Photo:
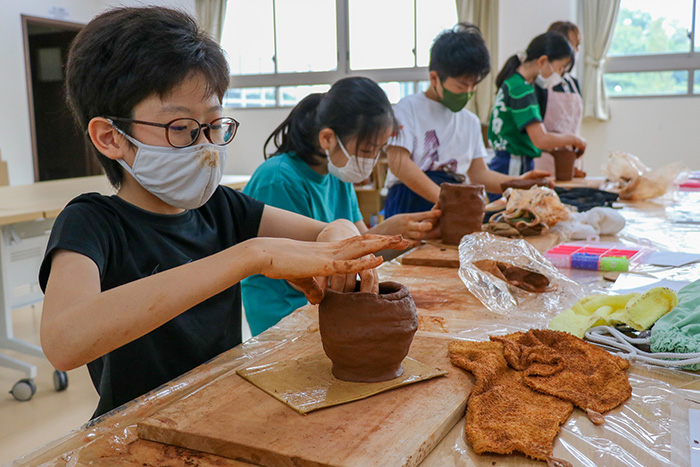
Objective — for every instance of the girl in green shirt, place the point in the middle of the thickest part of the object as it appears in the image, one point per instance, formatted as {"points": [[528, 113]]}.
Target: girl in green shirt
{"points": [[515, 130]]}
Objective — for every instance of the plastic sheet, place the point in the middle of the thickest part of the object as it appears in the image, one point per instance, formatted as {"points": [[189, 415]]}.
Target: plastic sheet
{"points": [[502, 297], [650, 429]]}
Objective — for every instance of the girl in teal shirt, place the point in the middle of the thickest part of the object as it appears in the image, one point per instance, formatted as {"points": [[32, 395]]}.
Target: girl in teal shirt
{"points": [[328, 142]]}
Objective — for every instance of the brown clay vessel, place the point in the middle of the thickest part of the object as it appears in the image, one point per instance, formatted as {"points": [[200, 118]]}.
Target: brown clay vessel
{"points": [[368, 335], [462, 209], [564, 164]]}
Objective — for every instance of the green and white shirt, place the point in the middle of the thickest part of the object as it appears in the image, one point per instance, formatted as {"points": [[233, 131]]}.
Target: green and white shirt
{"points": [[515, 108]]}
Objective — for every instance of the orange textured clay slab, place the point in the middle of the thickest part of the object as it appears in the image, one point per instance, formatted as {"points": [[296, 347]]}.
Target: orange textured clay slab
{"points": [[233, 418]]}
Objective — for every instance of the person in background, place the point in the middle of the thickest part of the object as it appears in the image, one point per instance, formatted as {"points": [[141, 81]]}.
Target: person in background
{"points": [[441, 141], [561, 105], [328, 142], [515, 130], [143, 286]]}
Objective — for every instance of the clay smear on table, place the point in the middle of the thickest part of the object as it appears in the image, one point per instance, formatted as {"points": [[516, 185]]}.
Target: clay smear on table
{"points": [[367, 335], [462, 209]]}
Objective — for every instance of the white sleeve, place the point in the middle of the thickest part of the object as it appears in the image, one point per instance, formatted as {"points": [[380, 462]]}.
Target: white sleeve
{"points": [[404, 138], [477, 147]]}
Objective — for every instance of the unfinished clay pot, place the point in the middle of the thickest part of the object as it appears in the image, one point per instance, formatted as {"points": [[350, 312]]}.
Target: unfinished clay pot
{"points": [[564, 164], [462, 209], [368, 335]]}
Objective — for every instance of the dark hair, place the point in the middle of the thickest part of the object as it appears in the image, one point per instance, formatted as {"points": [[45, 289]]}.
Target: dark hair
{"points": [[126, 55], [551, 44], [564, 28], [353, 107], [460, 51]]}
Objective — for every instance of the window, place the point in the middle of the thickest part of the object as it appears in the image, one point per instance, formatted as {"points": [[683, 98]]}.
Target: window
{"points": [[279, 51], [654, 49]]}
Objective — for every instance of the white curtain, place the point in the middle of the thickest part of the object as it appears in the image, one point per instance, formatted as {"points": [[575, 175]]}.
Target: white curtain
{"points": [[598, 22], [211, 14], [484, 15]]}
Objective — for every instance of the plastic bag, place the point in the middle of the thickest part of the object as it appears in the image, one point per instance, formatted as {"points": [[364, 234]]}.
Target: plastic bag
{"points": [[623, 167], [634, 181], [501, 297]]}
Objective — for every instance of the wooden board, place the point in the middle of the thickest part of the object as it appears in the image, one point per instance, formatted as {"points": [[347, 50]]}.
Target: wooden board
{"points": [[235, 419], [437, 254]]}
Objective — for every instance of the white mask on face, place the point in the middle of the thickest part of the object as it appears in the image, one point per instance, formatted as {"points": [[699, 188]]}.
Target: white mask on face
{"points": [[182, 177], [356, 170], [549, 82]]}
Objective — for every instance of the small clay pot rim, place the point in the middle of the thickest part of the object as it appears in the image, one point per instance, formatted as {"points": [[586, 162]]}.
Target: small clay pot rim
{"points": [[398, 292]]}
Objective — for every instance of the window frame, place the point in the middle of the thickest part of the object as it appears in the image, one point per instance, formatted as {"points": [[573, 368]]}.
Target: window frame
{"points": [[277, 80], [682, 61]]}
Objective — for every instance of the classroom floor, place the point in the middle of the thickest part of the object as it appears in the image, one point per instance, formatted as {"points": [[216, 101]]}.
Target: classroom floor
{"points": [[49, 414], [26, 426]]}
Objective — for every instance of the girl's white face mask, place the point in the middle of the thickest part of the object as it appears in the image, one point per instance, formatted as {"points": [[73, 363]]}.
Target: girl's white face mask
{"points": [[356, 170], [550, 81], [181, 177]]}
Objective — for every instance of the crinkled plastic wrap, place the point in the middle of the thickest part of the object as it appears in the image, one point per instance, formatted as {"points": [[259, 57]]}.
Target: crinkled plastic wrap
{"points": [[501, 297], [634, 181]]}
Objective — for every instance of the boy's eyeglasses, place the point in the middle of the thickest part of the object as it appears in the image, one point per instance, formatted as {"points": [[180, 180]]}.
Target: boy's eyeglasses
{"points": [[184, 132]]}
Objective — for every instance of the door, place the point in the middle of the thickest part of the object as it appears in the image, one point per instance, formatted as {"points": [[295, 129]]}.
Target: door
{"points": [[58, 147]]}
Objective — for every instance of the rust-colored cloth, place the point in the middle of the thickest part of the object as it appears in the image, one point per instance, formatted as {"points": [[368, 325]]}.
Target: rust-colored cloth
{"points": [[503, 413], [562, 365]]}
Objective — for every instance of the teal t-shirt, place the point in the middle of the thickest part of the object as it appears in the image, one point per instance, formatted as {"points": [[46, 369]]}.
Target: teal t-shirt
{"points": [[288, 182], [515, 108]]}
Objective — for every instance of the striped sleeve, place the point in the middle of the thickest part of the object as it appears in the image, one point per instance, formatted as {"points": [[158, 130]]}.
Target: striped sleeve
{"points": [[523, 105]]}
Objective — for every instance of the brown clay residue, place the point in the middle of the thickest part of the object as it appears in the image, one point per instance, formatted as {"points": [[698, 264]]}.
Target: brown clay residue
{"points": [[207, 157], [432, 323], [429, 301]]}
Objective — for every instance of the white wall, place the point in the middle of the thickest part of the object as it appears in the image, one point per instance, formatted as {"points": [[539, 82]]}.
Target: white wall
{"points": [[245, 153], [15, 136], [657, 130], [519, 22]]}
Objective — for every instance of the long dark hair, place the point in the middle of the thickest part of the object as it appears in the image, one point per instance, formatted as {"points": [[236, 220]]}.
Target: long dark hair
{"points": [[353, 107], [552, 44]]}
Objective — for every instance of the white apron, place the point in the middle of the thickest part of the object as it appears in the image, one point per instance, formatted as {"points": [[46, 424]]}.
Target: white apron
{"points": [[563, 115]]}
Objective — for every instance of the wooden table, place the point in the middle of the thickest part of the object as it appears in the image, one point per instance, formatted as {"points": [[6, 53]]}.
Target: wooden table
{"points": [[650, 429], [27, 213]]}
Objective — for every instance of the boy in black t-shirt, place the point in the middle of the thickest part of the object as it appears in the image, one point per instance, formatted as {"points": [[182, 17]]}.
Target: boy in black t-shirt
{"points": [[143, 286]]}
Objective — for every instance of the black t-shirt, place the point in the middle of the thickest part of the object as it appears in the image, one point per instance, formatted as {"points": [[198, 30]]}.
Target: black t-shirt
{"points": [[127, 243]]}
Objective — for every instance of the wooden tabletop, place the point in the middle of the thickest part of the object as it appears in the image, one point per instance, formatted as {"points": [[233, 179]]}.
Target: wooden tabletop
{"points": [[20, 203], [649, 429]]}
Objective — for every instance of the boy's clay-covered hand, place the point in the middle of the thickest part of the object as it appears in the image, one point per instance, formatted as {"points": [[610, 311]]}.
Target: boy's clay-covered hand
{"points": [[308, 264], [538, 175], [414, 226]]}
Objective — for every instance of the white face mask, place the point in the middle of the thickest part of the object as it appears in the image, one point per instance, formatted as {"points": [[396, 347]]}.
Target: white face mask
{"points": [[356, 170], [182, 177], [549, 82]]}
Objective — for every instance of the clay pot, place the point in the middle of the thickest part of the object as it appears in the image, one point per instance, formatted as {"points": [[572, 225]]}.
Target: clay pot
{"points": [[462, 209], [564, 164], [368, 335]]}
